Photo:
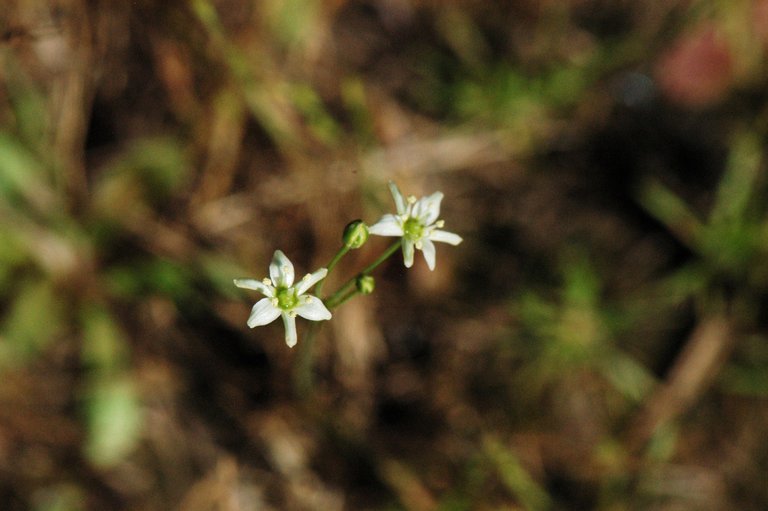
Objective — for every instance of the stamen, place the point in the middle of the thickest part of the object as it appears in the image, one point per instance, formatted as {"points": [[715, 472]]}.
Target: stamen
{"points": [[306, 277], [440, 224], [267, 281], [275, 302], [411, 199], [419, 244], [293, 314], [286, 269]]}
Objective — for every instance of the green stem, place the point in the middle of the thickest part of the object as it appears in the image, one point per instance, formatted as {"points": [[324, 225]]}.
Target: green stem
{"points": [[341, 299], [340, 296], [302, 376], [302, 373], [336, 258]]}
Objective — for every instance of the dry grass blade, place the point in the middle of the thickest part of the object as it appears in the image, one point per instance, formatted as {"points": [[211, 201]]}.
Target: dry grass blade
{"points": [[696, 366]]}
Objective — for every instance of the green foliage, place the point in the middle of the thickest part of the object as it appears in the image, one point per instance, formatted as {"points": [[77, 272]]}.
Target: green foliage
{"points": [[731, 242], [60, 497], [31, 324], [150, 276], [514, 476], [149, 170], [113, 418]]}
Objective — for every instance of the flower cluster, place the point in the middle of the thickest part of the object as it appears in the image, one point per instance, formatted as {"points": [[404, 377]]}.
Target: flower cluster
{"points": [[416, 223]]}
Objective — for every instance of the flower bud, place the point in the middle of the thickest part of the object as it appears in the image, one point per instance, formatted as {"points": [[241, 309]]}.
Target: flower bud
{"points": [[355, 234], [365, 284]]}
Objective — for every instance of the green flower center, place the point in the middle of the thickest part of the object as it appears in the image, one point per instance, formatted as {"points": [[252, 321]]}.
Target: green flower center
{"points": [[413, 229], [286, 298]]}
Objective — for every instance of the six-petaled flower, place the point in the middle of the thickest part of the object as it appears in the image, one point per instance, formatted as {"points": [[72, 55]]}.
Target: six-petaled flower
{"points": [[416, 222], [283, 298]]}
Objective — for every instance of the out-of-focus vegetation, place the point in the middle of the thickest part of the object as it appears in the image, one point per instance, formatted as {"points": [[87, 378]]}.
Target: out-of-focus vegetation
{"points": [[597, 342]]}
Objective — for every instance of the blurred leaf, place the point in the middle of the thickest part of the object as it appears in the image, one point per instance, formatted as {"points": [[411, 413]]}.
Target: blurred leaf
{"points": [[627, 376], [22, 175], [105, 347], [746, 381], [12, 255], [159, 163], [28, 104], [156, 276], [292, 21], [61, 497], [737, 186], [307, 101], [514, 476], [34, 319], [670, 210], [219, 271], [663, 443], [114, 419], [265, 97], [353, 93]]}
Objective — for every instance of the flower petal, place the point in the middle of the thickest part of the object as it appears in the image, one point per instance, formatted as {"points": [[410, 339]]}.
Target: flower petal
{"points": [[427, 209], [428, 249], [310, 280], [445, 237], [408, 253], [400, 203], [281, 270], [290, 329], [312, 308], [263, 313], [255, 285], [389, 225]]}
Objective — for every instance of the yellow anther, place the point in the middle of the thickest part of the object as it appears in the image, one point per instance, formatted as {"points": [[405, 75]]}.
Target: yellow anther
{"points": [[307, 299], [275, 302], [440, 224], [267, 281], [411, 199], [419, 244], [306, 277], [293, 314]]}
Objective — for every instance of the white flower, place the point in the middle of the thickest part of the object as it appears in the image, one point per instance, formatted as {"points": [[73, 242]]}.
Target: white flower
{"points": [[284, 299], [416, 222]]}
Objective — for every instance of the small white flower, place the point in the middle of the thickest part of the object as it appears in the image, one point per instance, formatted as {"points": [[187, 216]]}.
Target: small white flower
{"points": [[416, 222], [284, 299]]}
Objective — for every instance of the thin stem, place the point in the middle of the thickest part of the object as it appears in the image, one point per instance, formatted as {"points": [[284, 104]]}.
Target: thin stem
{"points": [[336, 258], [341, 299], [302, 376], [302, 373], [336, 298]]}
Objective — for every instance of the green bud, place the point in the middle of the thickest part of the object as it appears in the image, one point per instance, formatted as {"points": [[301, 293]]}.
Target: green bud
{"points": [[365, 284], [355, 234]]}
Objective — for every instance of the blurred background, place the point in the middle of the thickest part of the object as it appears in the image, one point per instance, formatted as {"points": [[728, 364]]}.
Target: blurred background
{"points": [[597, 342]]}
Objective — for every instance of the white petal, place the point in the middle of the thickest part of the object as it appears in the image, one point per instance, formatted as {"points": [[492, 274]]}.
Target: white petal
{"points": [[408, 253], [389, 225], [400, 203], [263, 313], [310, 280], [255, 285], [428, 249], [290, 329], [312, 308], [281, 270], [445, 237], [427, 209]]}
